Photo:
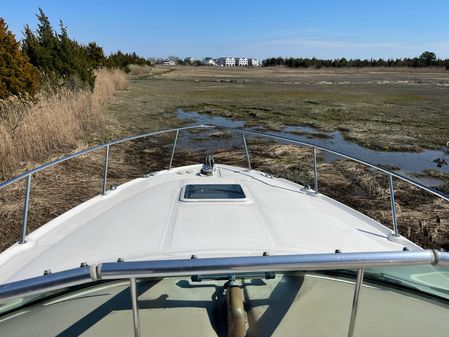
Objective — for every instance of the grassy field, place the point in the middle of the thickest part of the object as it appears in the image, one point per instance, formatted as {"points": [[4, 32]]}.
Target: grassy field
{"points": [[380, 109], [391, 110]]}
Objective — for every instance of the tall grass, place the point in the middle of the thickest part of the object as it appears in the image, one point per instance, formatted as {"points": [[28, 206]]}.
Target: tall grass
{"points": [[136, 70], [32, 131]]}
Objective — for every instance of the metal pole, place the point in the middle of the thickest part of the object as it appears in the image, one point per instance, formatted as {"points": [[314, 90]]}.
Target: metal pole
{"points": [[105, 175], [355, 301], [25, 210], [136, 322], [246, 151], [173, 150], [392, 205], [315, 174]]}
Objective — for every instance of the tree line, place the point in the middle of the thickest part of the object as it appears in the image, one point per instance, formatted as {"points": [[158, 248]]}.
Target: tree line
{"points": [[426, 59], [50, 59]]}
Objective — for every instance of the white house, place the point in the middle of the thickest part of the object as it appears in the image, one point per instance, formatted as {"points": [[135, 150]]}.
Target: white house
{"points": [[254, 62], [241, 61], [209, 61], [230, 62], [226, 61], [233, 61], [169, 63]]}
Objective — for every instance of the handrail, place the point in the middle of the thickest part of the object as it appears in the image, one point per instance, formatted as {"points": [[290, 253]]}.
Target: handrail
{"points": [[91, 149], [47, 282], [245, 131], [314, 147], [260, 264], [219, 266], [341, 154]]}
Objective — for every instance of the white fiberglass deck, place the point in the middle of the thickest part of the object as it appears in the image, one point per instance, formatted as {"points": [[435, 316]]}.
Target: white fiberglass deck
{"points": [[146, 219]]}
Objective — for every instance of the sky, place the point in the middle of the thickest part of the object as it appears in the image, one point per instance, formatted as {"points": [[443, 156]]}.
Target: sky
{"points": [[261, 29]]}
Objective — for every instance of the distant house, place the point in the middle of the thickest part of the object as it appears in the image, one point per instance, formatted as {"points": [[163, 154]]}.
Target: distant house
{"points": [[189, 60], [226, 61], [209, 61], [169, 62], [241, 61], [233, 61], [254, 62], [230, 62]]}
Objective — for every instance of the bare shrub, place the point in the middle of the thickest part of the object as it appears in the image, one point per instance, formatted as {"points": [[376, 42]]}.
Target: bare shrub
{"points": [[137, 70]]}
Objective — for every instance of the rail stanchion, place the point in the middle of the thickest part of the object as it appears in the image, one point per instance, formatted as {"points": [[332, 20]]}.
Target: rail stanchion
{"points": [[26, 206], [315, 174], [135, 307], [392, 205], [246, 151], [355, 301], [173, 150], [105, 174]]}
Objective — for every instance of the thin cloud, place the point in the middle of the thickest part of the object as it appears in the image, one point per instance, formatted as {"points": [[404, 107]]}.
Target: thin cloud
{"points": [[322, 43], [331, 48]]}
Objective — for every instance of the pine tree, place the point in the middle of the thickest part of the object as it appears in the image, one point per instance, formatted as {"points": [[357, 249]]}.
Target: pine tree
{"points": [[428, 58], [30, 45], [63, 60], [72, 61], [47, 43], [17, 75], [40, 48], [96, 55]]}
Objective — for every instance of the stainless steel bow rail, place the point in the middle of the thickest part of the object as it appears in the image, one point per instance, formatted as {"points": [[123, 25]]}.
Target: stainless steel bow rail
{"points": [[220, 266], [27, 175]]}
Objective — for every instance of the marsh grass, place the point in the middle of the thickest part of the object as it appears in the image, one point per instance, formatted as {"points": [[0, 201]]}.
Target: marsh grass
{"points": [[382, 109], [33, 131]]}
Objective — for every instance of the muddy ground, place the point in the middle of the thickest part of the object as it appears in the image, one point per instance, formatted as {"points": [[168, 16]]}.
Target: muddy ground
{"points": [[400, 109]]}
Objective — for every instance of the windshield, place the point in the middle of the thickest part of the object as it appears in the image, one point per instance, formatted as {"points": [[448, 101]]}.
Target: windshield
{"points": [[16, 303], [433, 280], [281, 304]]}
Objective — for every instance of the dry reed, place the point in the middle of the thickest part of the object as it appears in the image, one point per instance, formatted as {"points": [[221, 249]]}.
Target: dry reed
{"points": [[136, 70], [33, 131]]}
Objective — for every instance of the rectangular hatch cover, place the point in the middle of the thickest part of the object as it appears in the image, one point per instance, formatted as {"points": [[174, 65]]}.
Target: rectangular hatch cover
{"points": [[213, 192]]}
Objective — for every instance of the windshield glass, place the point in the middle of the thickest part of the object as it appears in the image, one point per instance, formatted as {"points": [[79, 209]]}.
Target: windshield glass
{"points": [[433, 280], [281, 304], [10, 305]]}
